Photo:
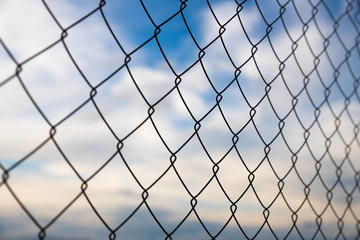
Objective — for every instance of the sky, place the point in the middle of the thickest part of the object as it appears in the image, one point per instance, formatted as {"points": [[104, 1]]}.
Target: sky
{"points": [[233, 104]]}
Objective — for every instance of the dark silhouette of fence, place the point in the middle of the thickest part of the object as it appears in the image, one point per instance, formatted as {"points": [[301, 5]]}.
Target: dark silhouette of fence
{"points": [[264, 90]]}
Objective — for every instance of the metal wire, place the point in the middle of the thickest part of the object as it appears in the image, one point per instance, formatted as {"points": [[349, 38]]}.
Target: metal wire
{"points": [[309, 127]]}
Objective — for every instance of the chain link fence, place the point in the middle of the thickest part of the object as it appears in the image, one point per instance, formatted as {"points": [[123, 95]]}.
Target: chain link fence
{"points": [[180, 119]]}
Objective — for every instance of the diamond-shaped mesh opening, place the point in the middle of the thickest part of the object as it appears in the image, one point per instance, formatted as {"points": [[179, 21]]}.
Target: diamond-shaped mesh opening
{"points": [[60, 187], [104, 58], [79, 140], [56, 89], [25, 121]]}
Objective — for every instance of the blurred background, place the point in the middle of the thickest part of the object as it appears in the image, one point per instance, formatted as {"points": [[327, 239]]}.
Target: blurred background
{"points": [[179, 119]]}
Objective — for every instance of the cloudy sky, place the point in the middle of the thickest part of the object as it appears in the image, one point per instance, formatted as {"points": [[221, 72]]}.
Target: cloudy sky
{"points": [[265, 108]]}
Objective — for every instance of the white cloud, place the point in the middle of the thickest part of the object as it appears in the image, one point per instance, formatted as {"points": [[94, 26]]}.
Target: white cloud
{"points": [[40, 30]]}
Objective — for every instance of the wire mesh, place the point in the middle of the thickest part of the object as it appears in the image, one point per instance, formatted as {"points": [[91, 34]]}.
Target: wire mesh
{"points": [[270, 151]]}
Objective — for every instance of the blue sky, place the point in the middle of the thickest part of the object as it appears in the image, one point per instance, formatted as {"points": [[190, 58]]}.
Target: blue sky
{"points": [[45, 183]]}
